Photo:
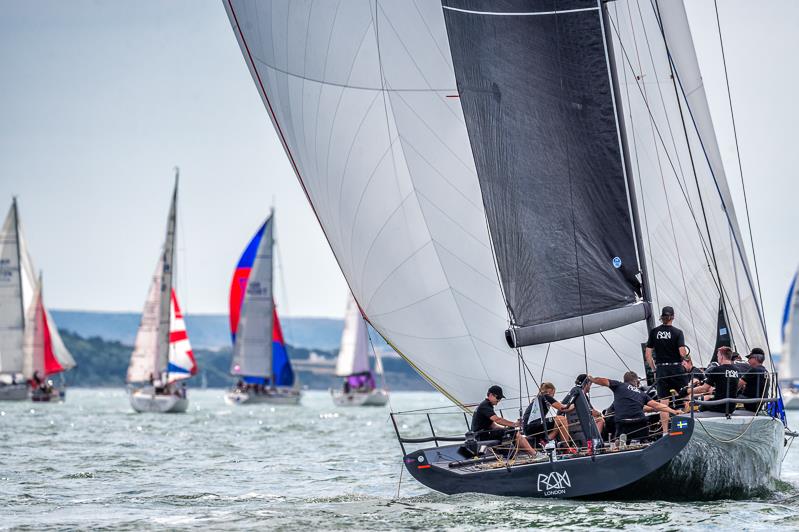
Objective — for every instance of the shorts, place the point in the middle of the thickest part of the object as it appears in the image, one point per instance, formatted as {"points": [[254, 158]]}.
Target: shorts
{"points": [[536, 428], [494, 434], [669, 377], [635, 429]]}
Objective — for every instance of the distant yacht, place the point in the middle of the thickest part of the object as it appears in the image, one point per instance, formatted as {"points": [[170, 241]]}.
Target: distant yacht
{"points": [[162, 355], [31, 349], [359, 387], [260, 359], [789, 358]]}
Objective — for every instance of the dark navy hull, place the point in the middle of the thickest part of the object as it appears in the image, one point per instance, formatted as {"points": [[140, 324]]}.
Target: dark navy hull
{"points": [[565, 478]]}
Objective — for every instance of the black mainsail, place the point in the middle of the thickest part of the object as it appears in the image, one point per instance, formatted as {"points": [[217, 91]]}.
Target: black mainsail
{"points": [[537, 97]]}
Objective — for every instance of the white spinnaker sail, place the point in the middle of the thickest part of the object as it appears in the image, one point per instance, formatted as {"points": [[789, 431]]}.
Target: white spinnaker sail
{"points": [[252, 353], [674, 185], [789, 359], [12, 318], [364, 98], [353, 355], [145, 351]]}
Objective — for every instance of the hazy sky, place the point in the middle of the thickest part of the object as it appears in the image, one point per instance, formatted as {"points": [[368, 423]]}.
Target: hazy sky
{"points": [[100, 100]]}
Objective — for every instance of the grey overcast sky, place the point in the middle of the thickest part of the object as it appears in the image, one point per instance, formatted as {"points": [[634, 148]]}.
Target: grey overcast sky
{"points": [[100, 99]]}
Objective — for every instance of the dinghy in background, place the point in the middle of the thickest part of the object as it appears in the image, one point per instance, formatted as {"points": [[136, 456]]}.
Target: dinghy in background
{"points": [[789, 357], [359, 388], [507, 222], [162, 355], [31, 349], [260, 359]]}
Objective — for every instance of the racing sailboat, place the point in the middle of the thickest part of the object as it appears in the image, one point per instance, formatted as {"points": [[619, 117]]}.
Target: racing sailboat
{"points": [[789, 359], [162, 354], [509, 191], [31, 349], [260, 359], [359, 387]]}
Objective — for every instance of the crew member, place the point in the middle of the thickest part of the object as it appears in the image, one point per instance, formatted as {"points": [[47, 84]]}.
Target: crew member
{"points": [[536, 422], [755, 379], [628, 404], [572, 419], [487, 425], [668, 344], [723, 380]]}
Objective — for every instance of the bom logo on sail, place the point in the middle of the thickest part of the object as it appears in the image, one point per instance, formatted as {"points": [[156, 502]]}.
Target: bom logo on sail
{"points": [[553, 483]]}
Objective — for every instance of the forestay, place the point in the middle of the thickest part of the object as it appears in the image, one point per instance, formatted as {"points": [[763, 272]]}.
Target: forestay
{"points": [[440, 155]]}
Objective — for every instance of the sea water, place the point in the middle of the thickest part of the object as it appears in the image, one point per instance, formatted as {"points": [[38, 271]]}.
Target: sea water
{"points": [[93, 462]]}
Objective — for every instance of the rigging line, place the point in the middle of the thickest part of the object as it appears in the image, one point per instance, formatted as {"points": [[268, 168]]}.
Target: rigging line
{"points": [[614, 352], [660, 169], [635, 152], [741, 254], [738, 154], [701, 236], [675, 81], [546, 357]]}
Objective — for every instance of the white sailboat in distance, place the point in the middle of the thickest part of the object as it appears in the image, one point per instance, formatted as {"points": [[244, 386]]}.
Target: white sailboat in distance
{"points": [[31, 349], [162, 355], [359, 387]]}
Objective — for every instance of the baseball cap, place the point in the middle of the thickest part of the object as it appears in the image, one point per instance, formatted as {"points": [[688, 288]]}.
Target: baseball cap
{"points": [[580, 380], [667, 311], [497, 391]]}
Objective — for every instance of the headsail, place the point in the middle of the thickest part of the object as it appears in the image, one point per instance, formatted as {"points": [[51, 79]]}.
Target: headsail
{"points": [[181, 358], [151, 353], [410, 128], [252, 307], [45, 352], [789, 358], [353, 355]]}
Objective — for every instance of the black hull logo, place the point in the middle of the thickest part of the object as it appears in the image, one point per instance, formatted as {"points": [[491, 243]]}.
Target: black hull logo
{"points": [[554, 483]]}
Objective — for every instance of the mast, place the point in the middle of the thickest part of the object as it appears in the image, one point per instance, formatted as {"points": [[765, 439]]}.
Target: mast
{"points": [[169, 259], [623, 142]]}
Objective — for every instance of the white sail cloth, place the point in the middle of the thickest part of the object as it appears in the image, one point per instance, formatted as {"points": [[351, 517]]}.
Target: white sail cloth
{"points": [[353, 355], [25, 323], [364, 98]]}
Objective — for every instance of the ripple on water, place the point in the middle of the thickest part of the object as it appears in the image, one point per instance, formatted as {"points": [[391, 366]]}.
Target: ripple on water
{"points": [[309, 467]]}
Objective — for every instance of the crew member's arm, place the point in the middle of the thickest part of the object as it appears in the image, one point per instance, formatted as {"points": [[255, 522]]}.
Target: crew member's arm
{"points": [[602, 381], [504, 422], [683, 350], [654, 405], [649, 360]]}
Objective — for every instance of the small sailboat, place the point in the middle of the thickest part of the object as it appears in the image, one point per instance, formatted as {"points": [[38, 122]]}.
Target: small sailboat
{"points": [[509, 208], [260, 359], [31, 349], [789, 359], [46, 355], [359, 387], [162, 354]]}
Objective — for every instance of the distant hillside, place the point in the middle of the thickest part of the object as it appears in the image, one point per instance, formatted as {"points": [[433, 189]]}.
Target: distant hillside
{"points": [[104, 363], [207, 331]]}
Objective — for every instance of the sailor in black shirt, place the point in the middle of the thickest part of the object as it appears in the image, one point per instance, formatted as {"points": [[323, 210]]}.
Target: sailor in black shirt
{"points": [[755, 379], [487, 425], [628, 405], [725, 381], [668, 344]]}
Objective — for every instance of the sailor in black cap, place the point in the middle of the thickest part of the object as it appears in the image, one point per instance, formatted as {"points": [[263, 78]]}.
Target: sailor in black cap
{"points": [[668, 344], [487, 425]]}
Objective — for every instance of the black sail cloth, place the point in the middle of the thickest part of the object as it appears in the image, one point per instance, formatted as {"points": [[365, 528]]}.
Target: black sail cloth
{"points": [[536, 95]]}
